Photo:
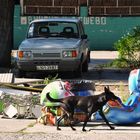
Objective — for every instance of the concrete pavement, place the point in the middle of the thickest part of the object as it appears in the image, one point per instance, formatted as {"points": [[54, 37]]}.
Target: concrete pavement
{"points": [[24, 129], [14, 125], [31, 126], [104, 54]]}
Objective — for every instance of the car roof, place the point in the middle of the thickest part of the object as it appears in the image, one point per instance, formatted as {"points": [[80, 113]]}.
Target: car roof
{"points": [[57, 19]]}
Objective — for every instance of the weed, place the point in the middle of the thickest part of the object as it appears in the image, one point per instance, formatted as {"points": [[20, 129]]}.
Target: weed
{"points": [[123, 93]]}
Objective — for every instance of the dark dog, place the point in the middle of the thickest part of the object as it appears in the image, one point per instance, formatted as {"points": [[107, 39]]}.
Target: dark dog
{"points": [[88, 104]]}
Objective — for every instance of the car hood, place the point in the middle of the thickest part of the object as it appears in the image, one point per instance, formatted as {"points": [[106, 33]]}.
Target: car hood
{"points": [[35, 43]]}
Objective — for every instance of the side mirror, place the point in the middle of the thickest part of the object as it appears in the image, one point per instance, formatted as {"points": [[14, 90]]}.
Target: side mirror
{"points": [[84, 36]]}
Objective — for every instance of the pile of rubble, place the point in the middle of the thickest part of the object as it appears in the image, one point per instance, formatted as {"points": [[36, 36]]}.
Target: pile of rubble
{"points": [[25, 99]]}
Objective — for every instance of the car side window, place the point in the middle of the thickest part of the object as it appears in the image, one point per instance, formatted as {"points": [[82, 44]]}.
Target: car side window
{"points": [[30, 31]]}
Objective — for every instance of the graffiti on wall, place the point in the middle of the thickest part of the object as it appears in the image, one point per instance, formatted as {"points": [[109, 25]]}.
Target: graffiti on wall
{"points": [[86, 20]]}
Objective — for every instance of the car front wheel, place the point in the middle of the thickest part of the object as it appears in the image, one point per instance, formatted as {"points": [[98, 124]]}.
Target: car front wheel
{"points": [[78, 72], [21, 73], [85, 66]]}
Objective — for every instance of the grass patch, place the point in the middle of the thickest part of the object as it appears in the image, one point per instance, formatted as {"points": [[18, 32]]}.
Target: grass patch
{"points": [[29, 126]]}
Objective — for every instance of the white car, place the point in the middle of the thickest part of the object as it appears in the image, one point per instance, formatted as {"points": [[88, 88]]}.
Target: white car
{"points": [[54, 45]]}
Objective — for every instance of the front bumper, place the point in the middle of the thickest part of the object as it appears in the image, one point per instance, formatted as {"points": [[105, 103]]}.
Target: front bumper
{"points": [[63, 65]]}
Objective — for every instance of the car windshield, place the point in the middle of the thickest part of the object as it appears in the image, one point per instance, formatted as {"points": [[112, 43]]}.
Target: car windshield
{"points": [[53, 29]]}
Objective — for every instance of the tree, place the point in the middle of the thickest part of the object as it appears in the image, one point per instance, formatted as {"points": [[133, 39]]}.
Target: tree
{"points": [[6, 31]]}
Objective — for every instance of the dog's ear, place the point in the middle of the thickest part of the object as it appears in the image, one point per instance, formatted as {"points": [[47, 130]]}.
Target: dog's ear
{"points": [[106, 89]]}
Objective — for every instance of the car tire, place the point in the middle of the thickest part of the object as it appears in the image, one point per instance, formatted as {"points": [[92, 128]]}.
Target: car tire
{"points": [[88, 55], [78, 72], [21, 73], [85, 66]]}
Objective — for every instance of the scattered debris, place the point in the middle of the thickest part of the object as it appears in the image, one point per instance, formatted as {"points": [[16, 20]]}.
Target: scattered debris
{"points": [[23, 101], [21, 98], [10, 111], [6, 78]]}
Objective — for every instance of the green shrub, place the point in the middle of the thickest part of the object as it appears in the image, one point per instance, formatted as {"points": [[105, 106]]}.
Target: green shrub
{"points": [[129, 48]]}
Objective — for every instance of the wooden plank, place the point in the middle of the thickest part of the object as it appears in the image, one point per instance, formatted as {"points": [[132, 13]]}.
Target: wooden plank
{"points": [[12, 86], [26, 80]]}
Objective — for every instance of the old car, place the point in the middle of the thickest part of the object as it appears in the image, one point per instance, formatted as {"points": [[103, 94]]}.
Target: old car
{"points": [[54, 45]]}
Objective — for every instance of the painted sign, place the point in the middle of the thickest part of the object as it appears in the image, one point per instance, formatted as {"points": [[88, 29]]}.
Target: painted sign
{"points": [[86, 20]]}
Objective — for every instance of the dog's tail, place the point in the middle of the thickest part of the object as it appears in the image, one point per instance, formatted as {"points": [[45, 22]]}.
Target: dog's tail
{"points": [[52, 99]]}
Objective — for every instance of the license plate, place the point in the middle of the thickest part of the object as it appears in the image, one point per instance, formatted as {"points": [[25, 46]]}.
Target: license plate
{"points": [[49, 67]]}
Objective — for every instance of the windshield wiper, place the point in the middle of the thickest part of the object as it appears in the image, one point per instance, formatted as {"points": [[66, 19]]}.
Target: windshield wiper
{"points": [[45, 36]]}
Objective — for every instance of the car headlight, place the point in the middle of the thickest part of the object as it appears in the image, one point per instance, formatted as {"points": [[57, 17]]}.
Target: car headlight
{"points": [[70, 53], [24, 54]]}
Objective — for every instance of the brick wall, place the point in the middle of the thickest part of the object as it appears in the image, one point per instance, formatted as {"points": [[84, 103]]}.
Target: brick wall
{"points": [[114, 7], [51, 7], [38, 2], [96, 7]]}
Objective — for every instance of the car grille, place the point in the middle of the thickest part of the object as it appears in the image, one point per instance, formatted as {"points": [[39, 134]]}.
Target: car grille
{"points": [[54, 55]]}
